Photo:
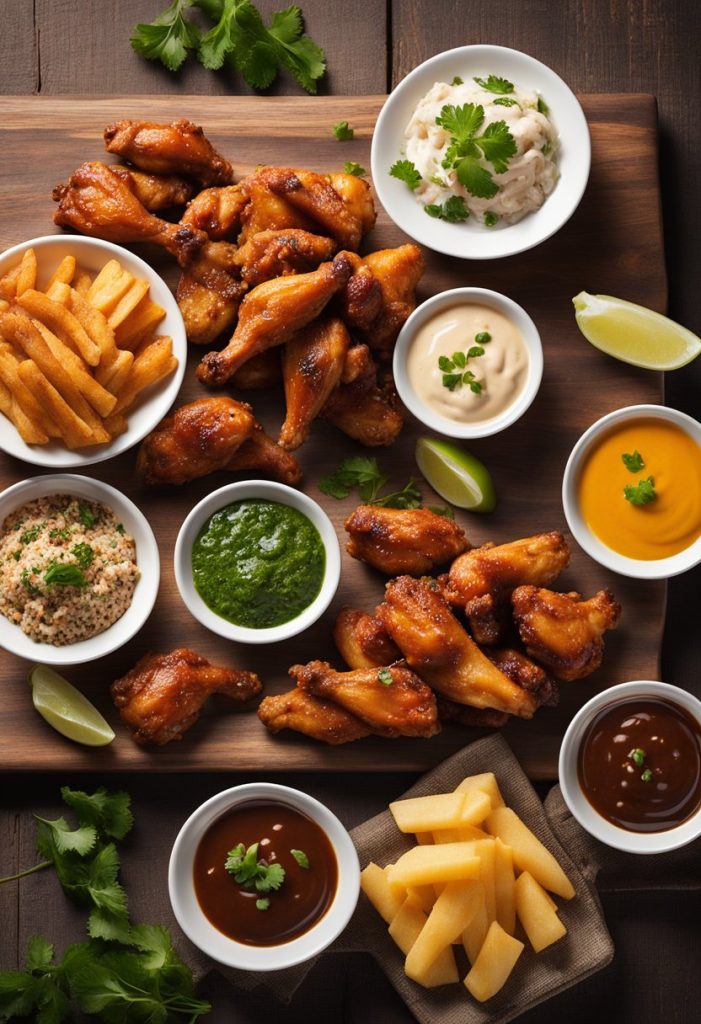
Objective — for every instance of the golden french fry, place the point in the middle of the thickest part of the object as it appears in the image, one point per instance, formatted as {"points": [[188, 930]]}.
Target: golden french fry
{"points": [[128, 302], [115, 425], [23, 398], [8, 283], [109, 286], [494, 964], [141, 322], [113, 376], [26, 428], [82, 283], [27, 278], [75, 432], [59, 292], [95, 325], [62, 322], [150, 366], [63, 273]]}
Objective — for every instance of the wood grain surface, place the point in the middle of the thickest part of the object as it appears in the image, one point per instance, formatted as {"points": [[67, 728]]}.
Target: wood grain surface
{"points": [[612, 244]]}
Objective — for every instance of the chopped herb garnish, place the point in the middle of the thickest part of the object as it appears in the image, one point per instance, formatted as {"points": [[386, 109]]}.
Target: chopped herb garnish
{"points": [[637, 756], [542, 107], [457, 80], [86, 515], [252, 873], [120, 528], [301, 858], [29, 535], [407, 172], [505, 101], [496, 84], [351, 167], [17, 555], [59, 534], [27, 583], [384, 676], [342, 132], [83, 555], [64, 574], [641, 493], [363, 472], [453, 210], [634, 462], [547, 148], [482, 338], [458, 361], [490, 219], [262, 904], [496, 145], [646, 776]]}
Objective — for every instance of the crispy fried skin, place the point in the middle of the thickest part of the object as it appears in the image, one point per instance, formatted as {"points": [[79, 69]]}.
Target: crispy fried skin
{"points": [[279, 253], [163, 695], [265, 211], [155, 191], [271, 313], [357, 198], [362, 641], [316, 198], [260, 454], [360, 302], [437, 647], [404, 707], [398, 272], [209, 292], [312, 363], [563, 631], [198, 438], [481, 580], [217, 211], [398, 541], [525, 673], [369, 414], [319, 719], [177, 148], [96, 202]]}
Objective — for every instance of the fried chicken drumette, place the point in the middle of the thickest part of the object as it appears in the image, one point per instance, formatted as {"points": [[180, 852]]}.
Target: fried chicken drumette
{"points": [[312, 364], [398, 541], [177, 148]]}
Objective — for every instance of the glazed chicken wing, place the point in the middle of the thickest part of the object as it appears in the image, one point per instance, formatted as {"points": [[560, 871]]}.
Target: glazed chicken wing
{"points": [[315, 197], [278, 253], [481, 580], [357, 198], [398, 541], [362, 641], [437, 647], [362, 410], [209, 292], [265, 211], [177, 148], [397, 273], [155, 191], [259, 454], [319, 719], [390, 701], [163, 695], [217, 211], [199, 438], [312, 363], [563, 631], [271, 313]]}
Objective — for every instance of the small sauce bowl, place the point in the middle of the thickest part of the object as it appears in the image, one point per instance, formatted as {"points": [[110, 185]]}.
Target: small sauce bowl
{"points": [[216, 944], [447, 300], [637, 568], [267, 491], [575, 798]]}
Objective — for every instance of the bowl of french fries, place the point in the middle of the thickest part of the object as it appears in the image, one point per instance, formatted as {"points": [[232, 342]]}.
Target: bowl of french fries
{"points": [[92, 350]]}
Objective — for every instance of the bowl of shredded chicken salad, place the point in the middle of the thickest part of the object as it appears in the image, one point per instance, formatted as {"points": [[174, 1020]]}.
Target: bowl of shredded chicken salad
{"points": [[481, 152]]}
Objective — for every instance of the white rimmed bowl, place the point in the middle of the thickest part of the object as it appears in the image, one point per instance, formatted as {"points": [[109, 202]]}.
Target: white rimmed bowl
{"points": [[470, 240], [91, 254], [220, 947], [268, 491], [590, 819], [11, 636], [637, 568], [447, 300]]}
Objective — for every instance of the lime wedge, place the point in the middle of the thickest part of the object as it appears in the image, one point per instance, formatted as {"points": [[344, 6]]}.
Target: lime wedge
{"points": [[456, 475], [66, 709], [633, 333]]}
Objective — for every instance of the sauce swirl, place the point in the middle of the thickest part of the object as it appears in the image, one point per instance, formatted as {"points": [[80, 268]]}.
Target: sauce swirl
{"points": [[639, 764]]}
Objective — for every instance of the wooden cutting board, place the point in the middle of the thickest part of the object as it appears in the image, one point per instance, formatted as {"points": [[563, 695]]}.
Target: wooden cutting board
{"points": [[613, 244]]}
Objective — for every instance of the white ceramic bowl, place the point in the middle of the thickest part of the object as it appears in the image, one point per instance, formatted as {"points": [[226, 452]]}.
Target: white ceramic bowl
{"points": [[638, 568], [91, 254], [471, 240], [227, 951], [11, 636], [583, 811], [268, 491], [446, 300]]}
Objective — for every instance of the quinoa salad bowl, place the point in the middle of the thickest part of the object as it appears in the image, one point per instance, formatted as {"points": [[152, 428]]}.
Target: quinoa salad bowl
{"points": [[79, 569]]}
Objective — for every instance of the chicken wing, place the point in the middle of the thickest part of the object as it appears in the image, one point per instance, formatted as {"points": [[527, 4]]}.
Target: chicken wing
{"points": [[319, 719], [357, 198], [397, 272], [437, 647], [362, 641], [265, 211], [315, 197], [199, 438], [390, 701], [217, 211], [271, 313], [177, 148], [563, 631], [163, 695], [279, 253], [312, 363], [481, 580], [398, 541], [360, 302], [209, 292], [261, 455], [96, 202], [263, 371], [369, 414], [155, 191]]}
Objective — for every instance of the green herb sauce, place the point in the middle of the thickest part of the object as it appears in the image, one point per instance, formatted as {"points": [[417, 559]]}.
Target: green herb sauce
{"points": [[258, 563]]}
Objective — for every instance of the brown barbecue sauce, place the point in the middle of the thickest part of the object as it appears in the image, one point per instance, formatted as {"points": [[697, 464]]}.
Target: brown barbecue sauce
{"points": [[304, 896], [639, 764]]}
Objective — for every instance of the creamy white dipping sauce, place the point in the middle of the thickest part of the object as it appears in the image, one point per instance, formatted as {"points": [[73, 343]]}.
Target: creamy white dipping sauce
{"points": [[502, 371]]}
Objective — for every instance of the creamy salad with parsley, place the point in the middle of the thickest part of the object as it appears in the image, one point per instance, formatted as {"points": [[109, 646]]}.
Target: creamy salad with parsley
{"points": [[479, 150]]}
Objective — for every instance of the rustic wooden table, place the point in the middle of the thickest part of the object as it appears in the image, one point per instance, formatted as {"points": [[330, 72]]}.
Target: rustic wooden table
{"points": [[75, 47]]}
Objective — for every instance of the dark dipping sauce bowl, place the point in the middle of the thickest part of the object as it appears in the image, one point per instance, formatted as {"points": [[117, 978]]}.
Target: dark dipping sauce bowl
{"points": [[630, 767], [255, 930]]}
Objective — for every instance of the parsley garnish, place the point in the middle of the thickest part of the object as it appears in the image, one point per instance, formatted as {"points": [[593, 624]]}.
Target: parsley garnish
{"points": [[27, 583], [482, 338], [59, 534], [542, 107], [29, 535], [342, 132], [496, 145], [453, 210], [351, 167], [407, 172], [490, 219], [634, 462], [384, 676], [496, 84], [454, 368], [637, 756], [262, 904], [83, 555], [238, 38], [64, 574], [505, 101], [646, 776], [457, 80], [547, 148], [363, 472], [252, 873], [301, 858], [86, 515], [120, 528], [641, 493]]}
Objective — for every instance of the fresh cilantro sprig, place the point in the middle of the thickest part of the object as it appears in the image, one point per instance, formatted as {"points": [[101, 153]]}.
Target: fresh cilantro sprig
{"points": [[301, 858], [251, 872], [455, 370], [342, 131], [467, 149], [363, 473], [496, 84], [641, 493], [406, 171], [238, 38], [452, 210], [351, 167], [633, 461]]}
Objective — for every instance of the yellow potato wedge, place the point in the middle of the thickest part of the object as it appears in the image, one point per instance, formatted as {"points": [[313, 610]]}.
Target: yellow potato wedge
{"points": [[528, 852], [429, 864], [485, 783], [423, 838], [427, 813], [476, 931], [451, 913], [424, 895], [540, 922], [504, 881], [487, 877], [385, 900], [495, 962], [405, 928], [476, 808]]}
